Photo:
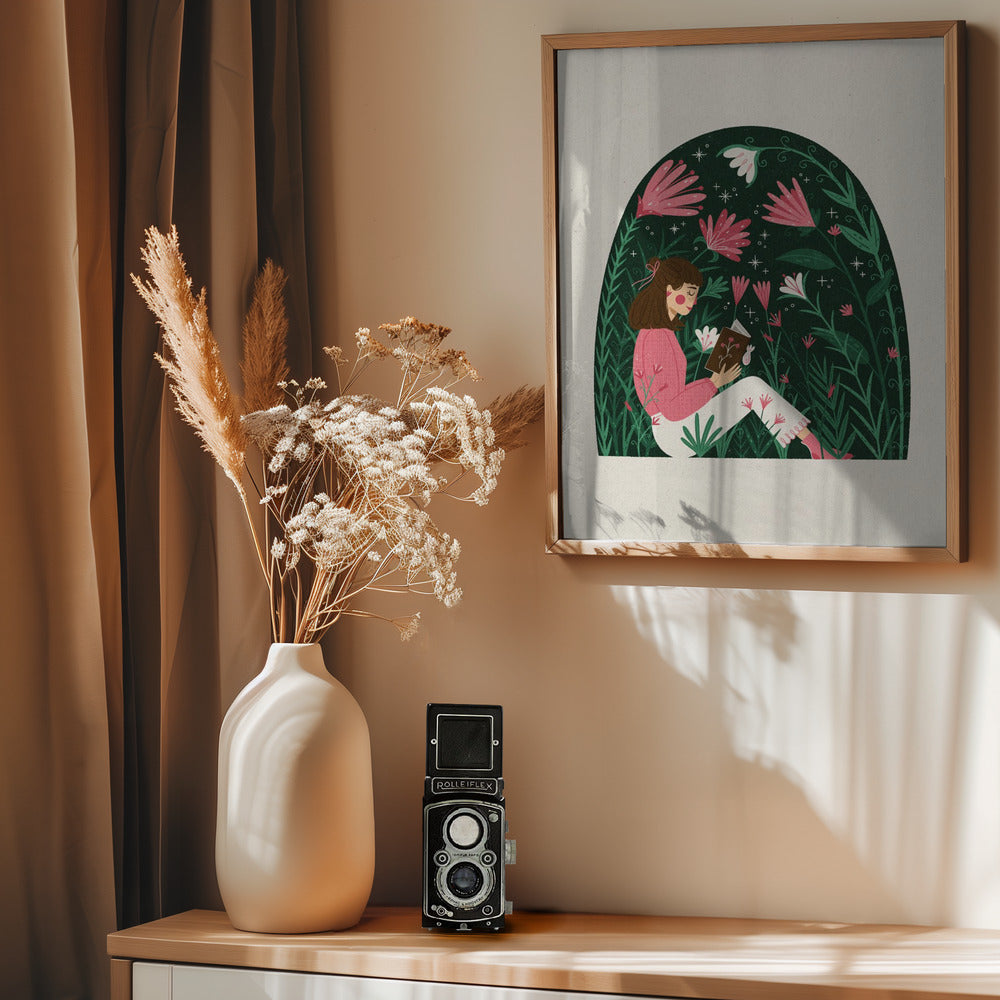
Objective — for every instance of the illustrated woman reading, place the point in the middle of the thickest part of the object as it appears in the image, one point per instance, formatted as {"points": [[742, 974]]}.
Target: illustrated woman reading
{"points": [[659, 369]]}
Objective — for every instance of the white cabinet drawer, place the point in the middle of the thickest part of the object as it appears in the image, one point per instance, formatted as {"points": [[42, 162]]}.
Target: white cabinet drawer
{"points": [[155, 981]]}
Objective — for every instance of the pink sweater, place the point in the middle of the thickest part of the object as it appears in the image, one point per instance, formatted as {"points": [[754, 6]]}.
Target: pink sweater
{"points": [[659, 368]]}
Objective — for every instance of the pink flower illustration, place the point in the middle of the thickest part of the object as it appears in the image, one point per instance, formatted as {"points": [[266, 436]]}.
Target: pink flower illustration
{"points": [[847, 309], [765, 400], [670, 191], [893, 353], [808, 341], [784, 379], [743, 161], [834, 230], [769, 338], [748, 403], [739, 287], [794, 285], [774, 319], [789, 208], [778, 419], [726, 236], [762, 289], [829, 392]]}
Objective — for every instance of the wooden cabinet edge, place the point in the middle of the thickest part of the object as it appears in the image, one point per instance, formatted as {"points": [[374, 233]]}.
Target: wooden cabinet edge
{"points": [[121, 979]]}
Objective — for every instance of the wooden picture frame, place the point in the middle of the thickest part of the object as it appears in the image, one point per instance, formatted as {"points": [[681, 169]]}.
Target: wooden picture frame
{"points": [[860, 181]]}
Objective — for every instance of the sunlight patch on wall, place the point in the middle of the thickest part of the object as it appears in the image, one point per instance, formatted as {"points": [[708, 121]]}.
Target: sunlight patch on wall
{"points": [[881, 708]]}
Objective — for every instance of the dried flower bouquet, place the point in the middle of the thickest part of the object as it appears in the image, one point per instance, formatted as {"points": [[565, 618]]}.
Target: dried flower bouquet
{"points": [[343, 485]]}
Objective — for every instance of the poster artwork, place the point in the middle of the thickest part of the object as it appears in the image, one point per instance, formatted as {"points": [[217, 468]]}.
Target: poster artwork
{"points": [[751, 308]]}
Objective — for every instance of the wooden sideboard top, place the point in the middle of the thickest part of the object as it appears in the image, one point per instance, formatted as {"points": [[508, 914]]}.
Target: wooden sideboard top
{"points": [[724, 959]]}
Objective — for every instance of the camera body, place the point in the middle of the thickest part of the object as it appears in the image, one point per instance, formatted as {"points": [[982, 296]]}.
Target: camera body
{"points": [[465, 822]]}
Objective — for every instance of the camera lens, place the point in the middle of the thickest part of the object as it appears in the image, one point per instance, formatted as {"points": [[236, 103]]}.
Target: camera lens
{"points": [[465, 880]]}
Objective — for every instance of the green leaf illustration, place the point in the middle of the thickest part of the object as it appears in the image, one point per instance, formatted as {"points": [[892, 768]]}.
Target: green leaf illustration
{"points": [[838, 198], [701, 440], [713, 287], [806, 258], [880, 287], [874, 237], [854, 350], [861, 241]]}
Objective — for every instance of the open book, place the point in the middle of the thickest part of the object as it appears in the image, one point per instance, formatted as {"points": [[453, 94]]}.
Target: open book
{"points": [[729, 348]]}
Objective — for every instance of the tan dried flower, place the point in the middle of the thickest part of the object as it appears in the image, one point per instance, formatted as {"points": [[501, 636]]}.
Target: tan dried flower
{"points": [[346, 483], [408, 626], [513, 413], [191, 357], [265, 333], [336, 355]]}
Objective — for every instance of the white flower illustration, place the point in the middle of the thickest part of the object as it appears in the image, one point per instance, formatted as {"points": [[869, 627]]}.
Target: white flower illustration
{"points": [[794, 285], [708, 337], [743, 161]]}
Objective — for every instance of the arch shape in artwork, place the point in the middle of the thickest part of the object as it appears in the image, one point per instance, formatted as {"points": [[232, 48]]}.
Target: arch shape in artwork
{"points": [[756, 233]]}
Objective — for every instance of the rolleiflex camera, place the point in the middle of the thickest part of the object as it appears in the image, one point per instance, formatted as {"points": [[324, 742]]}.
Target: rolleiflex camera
{"points": [[465, 848]]}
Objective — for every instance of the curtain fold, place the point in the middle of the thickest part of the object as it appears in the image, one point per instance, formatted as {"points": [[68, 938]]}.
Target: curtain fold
{"points": [[195, 139], [133, 607], [61, 666]]}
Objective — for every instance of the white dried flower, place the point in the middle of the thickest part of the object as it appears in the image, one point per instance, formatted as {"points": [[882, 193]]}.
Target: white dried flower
{"points": [[408, 627], [344, 484]]}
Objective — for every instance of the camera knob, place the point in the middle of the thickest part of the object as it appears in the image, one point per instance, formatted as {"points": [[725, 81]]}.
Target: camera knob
{"points": [[510, 852]]}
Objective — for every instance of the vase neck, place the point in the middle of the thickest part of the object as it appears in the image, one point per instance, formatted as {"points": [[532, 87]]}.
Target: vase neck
{"points": [[284, 657]]}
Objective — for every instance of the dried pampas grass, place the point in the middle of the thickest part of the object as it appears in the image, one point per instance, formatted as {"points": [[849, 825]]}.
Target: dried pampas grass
{"points": [[191, 358], [344, 485], [512, 414], [265, 336]]}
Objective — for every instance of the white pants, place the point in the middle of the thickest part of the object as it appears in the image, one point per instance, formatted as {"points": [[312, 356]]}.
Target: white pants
{"points": [[728, 407]]}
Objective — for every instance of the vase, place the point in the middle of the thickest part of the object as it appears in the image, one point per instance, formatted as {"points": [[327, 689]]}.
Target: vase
{"points": [[295, 837]]}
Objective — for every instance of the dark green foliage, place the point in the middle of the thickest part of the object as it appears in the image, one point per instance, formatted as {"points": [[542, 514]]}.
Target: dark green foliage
{"points": [[828, 324]]}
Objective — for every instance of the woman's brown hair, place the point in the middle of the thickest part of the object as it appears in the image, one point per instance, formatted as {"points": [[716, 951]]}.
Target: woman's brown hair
{"points": [[649, 308]]}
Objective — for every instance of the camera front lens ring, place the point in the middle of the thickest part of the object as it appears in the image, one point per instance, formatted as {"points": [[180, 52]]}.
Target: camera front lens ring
{"points": [[465, 879]]}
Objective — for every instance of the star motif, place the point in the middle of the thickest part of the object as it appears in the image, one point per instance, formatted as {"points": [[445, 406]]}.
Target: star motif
{"points": [[754, 262], [699, 155], [675, 229], [725, 196], [764, 235], [832, 212], [856, 263]]}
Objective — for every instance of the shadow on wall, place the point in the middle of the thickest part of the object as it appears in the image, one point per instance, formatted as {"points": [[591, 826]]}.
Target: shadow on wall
{"points": [[780, 754], [861, 732]]}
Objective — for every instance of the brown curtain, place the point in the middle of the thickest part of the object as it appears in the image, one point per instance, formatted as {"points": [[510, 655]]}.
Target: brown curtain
{"points": [[211, 129], [132, 609], [60, 609]]}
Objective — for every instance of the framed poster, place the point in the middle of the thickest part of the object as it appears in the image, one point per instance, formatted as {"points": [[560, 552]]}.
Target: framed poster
{"points": [[754, 281]]}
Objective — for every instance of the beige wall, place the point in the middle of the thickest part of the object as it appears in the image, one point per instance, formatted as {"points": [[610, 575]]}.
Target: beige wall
{"points": [[787, 740]]}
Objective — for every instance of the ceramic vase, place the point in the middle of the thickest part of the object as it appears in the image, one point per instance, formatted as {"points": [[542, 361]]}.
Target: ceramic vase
{"points": [[295, 838]]}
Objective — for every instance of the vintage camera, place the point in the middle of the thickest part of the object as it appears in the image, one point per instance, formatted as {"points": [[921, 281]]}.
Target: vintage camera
{"points": [[465, 823]]}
